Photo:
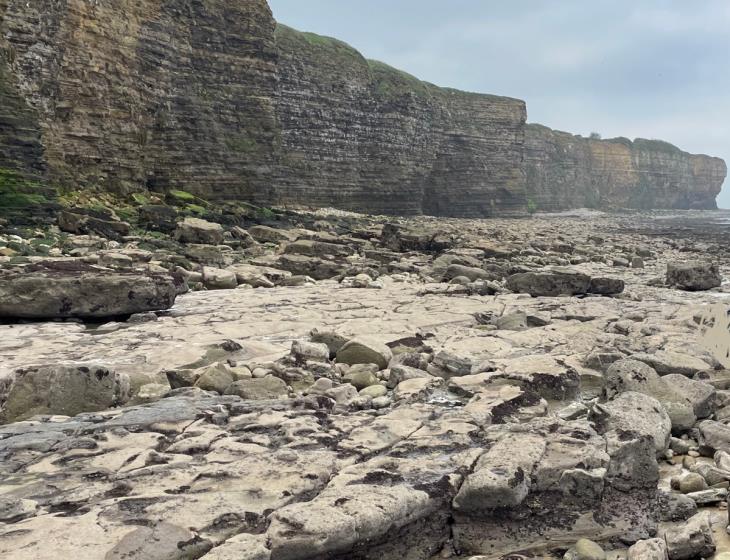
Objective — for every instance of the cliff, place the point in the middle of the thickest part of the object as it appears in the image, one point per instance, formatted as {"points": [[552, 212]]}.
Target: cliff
{"points": [[566, 171], [215, 99]]}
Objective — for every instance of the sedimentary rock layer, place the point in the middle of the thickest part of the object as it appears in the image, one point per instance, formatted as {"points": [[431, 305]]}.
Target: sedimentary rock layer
{"points": [[215, 99], [566, 171]]}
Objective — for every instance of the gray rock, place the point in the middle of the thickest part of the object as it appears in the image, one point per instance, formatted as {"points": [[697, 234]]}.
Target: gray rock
{"points": [[694, 276], [361, 351], [556, 282], [215, 378], [606, 286], [585, 549], [700, 395], [691, 539], [63, 289], [266, 388], [309, 351], [197, 231], [218, 279], [650, 549], [641, 414], [62, 389]]}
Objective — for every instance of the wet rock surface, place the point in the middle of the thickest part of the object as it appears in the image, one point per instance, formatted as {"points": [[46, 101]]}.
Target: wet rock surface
{"points": [[421, 396]]}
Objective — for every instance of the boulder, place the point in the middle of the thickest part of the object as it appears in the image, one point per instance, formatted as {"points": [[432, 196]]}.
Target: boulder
{"points": [[63, 289], [302, 265], [266, 388], [606, 286], [557, 282], [219, 279], [693, 276], [266, 234], [640, 414], [633, 375], [692, 539], [359, 351], [80, 222], [403, 239], [197, 231], [650, 549], [215, 378], [61, 390], [585, 549], [158, 217]]}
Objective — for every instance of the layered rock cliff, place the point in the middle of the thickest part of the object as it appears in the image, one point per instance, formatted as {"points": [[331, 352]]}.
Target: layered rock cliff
{"points": [[565, 171], [215, 99]]}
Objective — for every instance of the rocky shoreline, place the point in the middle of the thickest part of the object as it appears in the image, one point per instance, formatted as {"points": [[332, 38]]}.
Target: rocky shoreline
{"points": [[327, 385]]}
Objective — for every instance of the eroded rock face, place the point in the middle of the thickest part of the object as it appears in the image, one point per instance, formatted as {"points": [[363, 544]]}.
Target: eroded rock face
{"points": [[236, 107], [566, 171], [72, 289]]}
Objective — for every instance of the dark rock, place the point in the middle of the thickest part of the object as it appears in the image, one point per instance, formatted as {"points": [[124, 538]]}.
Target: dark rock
{"points": [[549, 283], [693, 277], [62, 289]]}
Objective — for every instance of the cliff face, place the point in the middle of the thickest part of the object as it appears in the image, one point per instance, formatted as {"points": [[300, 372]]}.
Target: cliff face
{"points": [[146, 94], [212, 97], [565, 171], [359, 134]]}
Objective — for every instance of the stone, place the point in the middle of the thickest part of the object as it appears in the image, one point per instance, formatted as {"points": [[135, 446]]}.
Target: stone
{"points": [[304, 351], [80, 222], [374, 391], [606, 286], [67, 289], [62, 389], [558, 282], [361, 379], [15, 509], [694, 276], [215, 378], [400, 373], [266, 388], [641, 414], [158, 217], [501, 477], [585, 549], [266, 234], [360, 351], [150, 392], [666, 362], [692, 482], [649, 549], [700, 395], [200, 232], [691, 539], [218, 279]]}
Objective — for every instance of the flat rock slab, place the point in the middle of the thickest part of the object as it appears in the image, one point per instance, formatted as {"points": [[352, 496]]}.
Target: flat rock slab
{"points": [[66, 289]]}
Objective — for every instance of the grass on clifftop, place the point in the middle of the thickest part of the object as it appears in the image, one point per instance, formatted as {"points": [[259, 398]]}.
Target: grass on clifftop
{"points": [[293, 41], [391, 82]]}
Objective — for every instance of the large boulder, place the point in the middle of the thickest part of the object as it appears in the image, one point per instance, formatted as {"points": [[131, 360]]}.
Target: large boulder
{"points": [[65, 390], [195, 230], [360, 351], [158, 217], [633, 414], [557, 282], [83, 222], [64, 289], [693, 276], [403, 239]]}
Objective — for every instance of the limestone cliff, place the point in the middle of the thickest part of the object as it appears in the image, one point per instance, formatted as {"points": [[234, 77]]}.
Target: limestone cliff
{"points": [[565, 171], [211, 97], [360, 134]]}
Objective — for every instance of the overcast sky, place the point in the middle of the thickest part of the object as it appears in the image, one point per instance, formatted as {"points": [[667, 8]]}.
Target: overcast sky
{"points": [[636, 68]]}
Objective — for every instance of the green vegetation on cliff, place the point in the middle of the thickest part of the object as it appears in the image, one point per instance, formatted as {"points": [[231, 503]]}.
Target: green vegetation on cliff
{"points": [[391, 82], [17, 192]]}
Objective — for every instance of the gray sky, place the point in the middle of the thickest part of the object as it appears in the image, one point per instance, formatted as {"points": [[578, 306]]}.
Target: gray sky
{"points": [[636, 68]]}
